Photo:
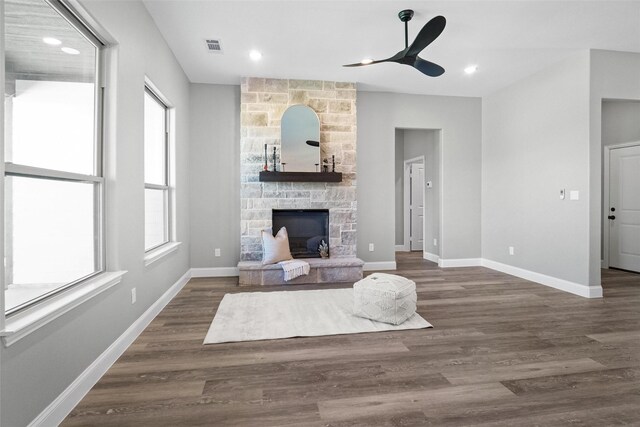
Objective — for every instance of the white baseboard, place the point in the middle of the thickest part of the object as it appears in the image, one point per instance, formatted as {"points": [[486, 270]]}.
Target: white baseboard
{"points": [[431, 257], [215, 272], [381, 265], [554, 282], [57, 410], [459, 262], [401, 248]]}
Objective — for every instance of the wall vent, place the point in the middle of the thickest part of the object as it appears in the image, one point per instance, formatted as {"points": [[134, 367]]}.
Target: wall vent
{"points": [[213, 45]]}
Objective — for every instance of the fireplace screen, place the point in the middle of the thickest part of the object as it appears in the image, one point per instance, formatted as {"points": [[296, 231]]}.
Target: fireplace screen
{"points": [[307, 229]]}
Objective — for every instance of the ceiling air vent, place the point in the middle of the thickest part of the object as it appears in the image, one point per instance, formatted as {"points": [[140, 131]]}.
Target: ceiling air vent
{"points": [[214, 46]]}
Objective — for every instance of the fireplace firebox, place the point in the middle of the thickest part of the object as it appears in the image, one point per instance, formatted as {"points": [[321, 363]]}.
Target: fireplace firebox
{"points": [[307, 228]]}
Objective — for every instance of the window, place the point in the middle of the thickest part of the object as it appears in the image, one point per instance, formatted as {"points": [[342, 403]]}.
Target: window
{"points": [[53, 152], [156, 172]]}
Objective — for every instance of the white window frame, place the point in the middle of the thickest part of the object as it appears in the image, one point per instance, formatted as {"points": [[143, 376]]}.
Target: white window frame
{"points": [[170, 244], [21, 321]]}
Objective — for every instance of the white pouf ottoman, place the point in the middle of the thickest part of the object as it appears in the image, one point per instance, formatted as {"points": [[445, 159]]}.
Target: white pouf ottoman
{"points": [[385, 298]]}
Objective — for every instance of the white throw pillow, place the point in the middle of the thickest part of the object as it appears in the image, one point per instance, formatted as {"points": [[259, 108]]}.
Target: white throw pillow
{"points": [[275, 249]]}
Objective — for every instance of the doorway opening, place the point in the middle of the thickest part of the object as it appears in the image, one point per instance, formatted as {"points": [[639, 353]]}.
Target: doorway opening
{"points": [[418, 191], [621, 185], [413, 204]]}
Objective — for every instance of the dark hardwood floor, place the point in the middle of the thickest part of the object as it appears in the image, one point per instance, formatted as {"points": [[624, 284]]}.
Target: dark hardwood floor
{"points": [[503, 352]]}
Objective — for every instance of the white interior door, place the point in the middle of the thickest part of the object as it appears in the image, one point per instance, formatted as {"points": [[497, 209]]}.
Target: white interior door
{"points": [[417, 206], [624, 208]]}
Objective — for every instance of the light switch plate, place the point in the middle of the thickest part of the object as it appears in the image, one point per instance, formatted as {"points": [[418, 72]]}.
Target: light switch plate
{"points": [[217, 251], [429, 184], [574, 195], [371, 247], [562, 194]]}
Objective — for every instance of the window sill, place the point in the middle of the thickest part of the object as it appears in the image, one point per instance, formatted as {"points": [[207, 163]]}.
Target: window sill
{"points": [[159, 253], [21, 324]]}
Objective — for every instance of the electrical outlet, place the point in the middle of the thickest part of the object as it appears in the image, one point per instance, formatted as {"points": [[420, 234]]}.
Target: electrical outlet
{"points": [[435, 242], [134, 296], [217, 251], [511, 250], [371, 247]]}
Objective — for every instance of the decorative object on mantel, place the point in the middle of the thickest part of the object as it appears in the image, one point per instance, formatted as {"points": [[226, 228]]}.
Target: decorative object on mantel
{"points": [[325, 165], [409, 55], [323, 249], [282, 165], [333, 161], [266, 166], [274, 159], [300, 136], [300, 176]]}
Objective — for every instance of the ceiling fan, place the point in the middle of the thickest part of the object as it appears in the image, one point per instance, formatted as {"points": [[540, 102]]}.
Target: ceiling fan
{"points": [[409, 55]]}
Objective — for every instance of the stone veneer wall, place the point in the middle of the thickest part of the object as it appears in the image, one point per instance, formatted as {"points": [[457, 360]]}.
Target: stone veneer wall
{"points": [[263, 101]]}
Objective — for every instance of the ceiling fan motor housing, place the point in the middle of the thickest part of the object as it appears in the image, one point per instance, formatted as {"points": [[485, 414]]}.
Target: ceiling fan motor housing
{"points": [[405, 15]]}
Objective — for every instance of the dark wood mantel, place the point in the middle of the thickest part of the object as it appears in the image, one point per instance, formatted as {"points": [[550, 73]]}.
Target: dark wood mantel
{"points": [[300, 176]]}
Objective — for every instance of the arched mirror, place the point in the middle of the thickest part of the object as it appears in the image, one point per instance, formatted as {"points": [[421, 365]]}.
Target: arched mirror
{"points": [[300, 133]]}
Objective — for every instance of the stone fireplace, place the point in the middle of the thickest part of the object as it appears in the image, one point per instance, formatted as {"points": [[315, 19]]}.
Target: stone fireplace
{"points": [[263, 102]]}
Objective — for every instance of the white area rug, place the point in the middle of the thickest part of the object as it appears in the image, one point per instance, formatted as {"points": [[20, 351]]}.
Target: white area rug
{"points": [[253, 316]]}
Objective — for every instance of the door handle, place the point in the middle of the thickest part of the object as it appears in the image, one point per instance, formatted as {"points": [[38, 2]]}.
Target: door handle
{"points": [[611, 217]]}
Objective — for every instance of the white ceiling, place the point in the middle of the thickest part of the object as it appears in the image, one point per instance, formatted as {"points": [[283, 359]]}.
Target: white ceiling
{"points": [[508, 40]]}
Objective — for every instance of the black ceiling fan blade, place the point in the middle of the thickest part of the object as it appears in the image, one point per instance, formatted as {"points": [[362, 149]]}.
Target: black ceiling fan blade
{"points": [[428, 68], [395, 58], [427, 35], [360, 64]]}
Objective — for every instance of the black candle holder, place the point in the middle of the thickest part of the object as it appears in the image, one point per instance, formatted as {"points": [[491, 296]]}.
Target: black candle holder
{"points": [[266, 166], [274, 159]]}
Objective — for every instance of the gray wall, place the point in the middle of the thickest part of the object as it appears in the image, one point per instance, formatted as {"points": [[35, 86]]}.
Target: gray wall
{"points": [[379, 115], [412, 143], [215, 175], [614, 75], [214, 160], [541, 121], [36, 369], [399, 185], [535, 142]]}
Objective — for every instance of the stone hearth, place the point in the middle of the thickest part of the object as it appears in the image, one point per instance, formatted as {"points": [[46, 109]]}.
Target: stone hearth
{"points": [[332, 270]]}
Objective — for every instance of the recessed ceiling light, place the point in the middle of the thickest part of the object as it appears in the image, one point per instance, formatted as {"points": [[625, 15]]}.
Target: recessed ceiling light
{"points": [[255, 55], [51, 41], [366, 61], [471, 69], [70, 50]]}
